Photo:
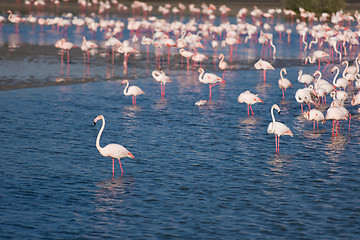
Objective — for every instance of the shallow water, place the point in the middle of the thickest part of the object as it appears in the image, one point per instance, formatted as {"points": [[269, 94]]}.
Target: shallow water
{"points": [[205, 172]]}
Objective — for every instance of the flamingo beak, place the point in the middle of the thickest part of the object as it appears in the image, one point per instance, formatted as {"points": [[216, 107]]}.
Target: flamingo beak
{"points": [[130, 155], [261, 100]]}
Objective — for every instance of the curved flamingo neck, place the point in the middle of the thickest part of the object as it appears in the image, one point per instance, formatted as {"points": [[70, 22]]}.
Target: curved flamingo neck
{"points": [[126, 89], [281, 73], [99, 135], [300, 74], [347, 65], [201, 74], [336, 75], [273, 118]]}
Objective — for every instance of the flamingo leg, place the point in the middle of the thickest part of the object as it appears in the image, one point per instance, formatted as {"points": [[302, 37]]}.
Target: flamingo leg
{"points": [[210, 91], [314, 125], [251, 110], [349, 121], [333, 127], [248, 109], [264, 75], [278, 142], [121, 167], [276, 150], [283, 94], [113, 168]]}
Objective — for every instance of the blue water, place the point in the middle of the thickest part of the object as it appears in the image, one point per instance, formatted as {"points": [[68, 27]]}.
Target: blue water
{"points": [[208, 172]]}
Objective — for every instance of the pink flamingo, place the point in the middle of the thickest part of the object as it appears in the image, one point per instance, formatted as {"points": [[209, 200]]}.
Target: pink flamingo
{"points": [[112, 150], [132, 90], [284, 83], [222, 64], [250, 99], [277, 128], [209, 78], [161, 77], [263, 65], [14, 19]]}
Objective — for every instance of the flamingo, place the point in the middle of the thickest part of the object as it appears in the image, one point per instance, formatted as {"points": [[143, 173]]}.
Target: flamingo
{"points": [[222, 64], [277, 128], [209, 78], [305, 78], [86, 47], [132, 90], [340, 82], [186, 54], [264, 65], [315, 116], [284, 83], [14, 19], [112, 150], [161, 77], [250, 99], [304, 95], [318, 54], [335, 114]]}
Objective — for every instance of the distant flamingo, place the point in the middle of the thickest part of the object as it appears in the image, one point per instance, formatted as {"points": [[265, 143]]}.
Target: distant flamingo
{"points": [[250, 99], [277, 128], [209, 78], [186, 54], [161, 77], [132, 90], [284, 83], [112, 150], [14, 19], [222, 64], [86, 47], [263, 65]]}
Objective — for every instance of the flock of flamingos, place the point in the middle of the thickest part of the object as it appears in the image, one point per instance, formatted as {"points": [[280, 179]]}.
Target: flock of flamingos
{"points": [[330, 34]]}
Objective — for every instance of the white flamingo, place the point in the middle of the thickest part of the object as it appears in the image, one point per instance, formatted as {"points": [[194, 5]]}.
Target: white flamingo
{"points": [[315, 116], [209, 78], [161, 77], [284, 83], [277, 128], [112, 150], [250, 99], [132, 91]]}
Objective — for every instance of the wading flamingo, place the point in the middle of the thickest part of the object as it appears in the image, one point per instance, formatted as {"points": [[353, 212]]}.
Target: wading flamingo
{"points": [[222, 64], [209, 78], [250, 99], [263, 65], [161, 77], [318, 55], [132, 90], [335, 114], [284, 83], [315, 116], [277, 128], [305, 78], [112, 150]]}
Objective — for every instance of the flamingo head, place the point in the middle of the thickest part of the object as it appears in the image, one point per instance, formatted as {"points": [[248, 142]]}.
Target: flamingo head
{"points": [[125, 81], [257, 99], [200, 70], [277, 108], [306, 115], [100, 117], [129, 155]]}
